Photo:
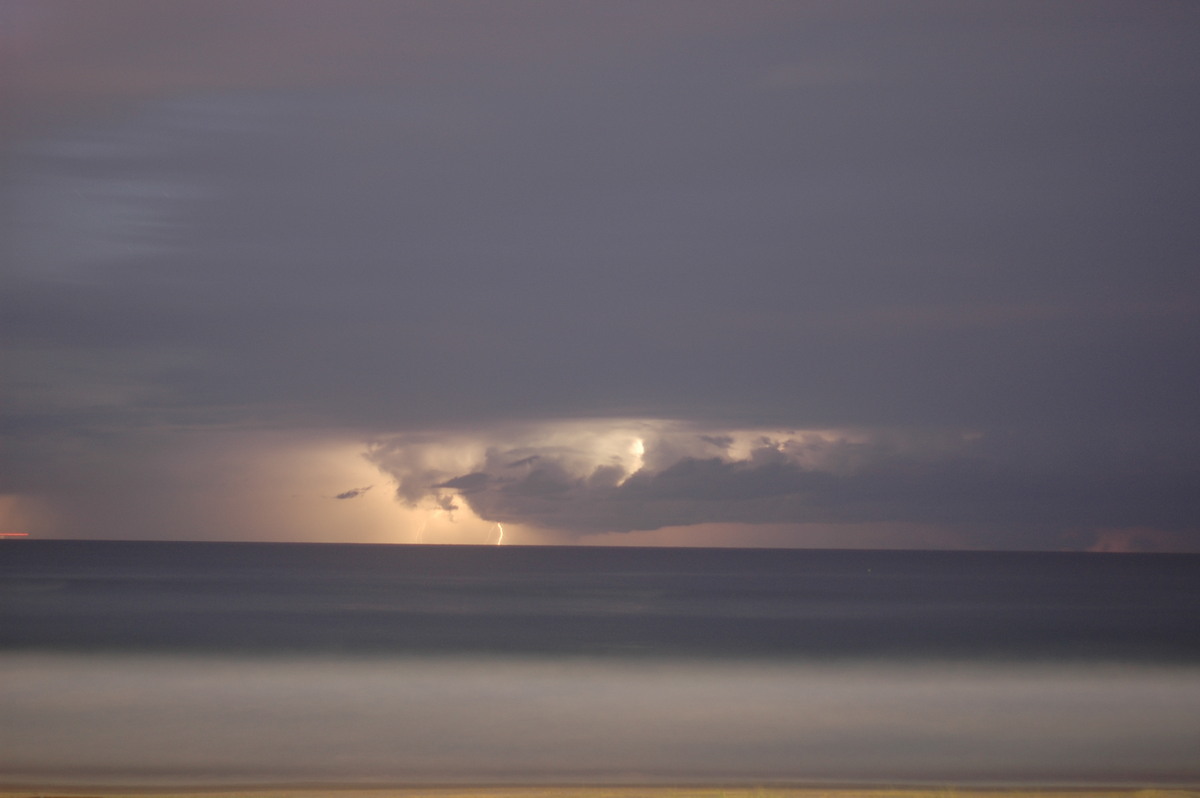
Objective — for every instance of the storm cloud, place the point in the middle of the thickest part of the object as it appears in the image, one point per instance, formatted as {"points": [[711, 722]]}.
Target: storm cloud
{"points": [[604, 476], [958, 243]]}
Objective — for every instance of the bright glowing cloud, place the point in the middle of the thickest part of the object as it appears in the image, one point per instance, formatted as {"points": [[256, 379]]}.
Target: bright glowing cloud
{"points": [[617, 475], [673, 481]]}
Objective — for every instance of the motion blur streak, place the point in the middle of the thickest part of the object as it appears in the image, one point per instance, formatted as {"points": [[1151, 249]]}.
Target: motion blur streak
{"points": [[430, 719]]}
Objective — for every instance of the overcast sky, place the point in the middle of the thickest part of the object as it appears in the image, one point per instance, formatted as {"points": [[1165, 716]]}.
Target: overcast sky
{"points": [[917, 274]]}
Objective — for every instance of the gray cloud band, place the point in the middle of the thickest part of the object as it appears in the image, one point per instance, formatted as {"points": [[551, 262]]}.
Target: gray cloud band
{"points": [[680, 478]]}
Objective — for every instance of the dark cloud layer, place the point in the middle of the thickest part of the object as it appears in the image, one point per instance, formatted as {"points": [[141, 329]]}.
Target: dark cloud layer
{"points": [[388, 219], [962, 482]]}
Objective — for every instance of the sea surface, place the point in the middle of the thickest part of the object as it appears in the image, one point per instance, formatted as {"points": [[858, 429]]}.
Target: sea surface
{"points": [[214, 664]]}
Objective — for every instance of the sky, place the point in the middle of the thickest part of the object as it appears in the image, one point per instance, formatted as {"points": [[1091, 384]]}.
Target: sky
{"points": [[683, 272]]}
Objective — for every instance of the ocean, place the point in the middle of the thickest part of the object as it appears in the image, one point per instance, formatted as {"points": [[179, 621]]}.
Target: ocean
{"points": [[140, 664]]}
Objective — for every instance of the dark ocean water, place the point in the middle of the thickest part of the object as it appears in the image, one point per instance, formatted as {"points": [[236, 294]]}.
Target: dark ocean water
{"points": [[143, 663], [346, 599]]}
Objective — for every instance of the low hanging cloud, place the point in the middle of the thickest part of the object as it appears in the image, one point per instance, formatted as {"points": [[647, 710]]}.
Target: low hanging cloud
{"points": [[585, 477], [353, 493], [582, 478]]}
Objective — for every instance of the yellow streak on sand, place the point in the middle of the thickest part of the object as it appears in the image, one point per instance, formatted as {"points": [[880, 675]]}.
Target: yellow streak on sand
{"points": [[620, 792]]}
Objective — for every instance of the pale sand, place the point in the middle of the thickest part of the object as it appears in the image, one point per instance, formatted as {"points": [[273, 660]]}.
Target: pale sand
{"points": [[622, 792]]}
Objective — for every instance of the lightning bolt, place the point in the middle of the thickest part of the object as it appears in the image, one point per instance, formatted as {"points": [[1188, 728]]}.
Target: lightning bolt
{"points": [[425, 524], [500, 527]]}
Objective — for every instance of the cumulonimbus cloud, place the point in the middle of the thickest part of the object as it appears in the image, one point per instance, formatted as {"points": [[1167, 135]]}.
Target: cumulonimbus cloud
{"points": [[584, 477], [624, 475]]}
